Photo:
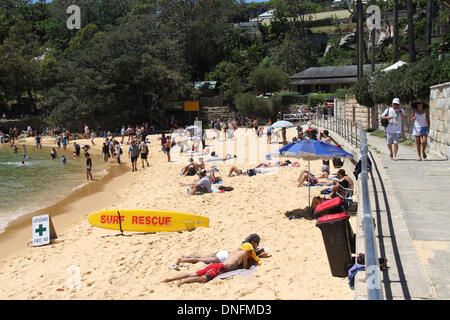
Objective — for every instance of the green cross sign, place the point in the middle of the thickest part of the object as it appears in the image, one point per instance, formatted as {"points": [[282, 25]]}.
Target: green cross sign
{"points": [[40, 230]]}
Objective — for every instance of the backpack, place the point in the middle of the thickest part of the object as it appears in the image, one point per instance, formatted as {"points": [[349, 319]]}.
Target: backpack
{"points": [[385, 122]]}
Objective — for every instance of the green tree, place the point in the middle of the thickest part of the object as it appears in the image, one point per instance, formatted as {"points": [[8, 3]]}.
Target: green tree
{"points": [[268, 79]]}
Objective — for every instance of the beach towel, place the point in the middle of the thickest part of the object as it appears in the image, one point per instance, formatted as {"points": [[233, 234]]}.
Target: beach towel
{"points": [[238, 272], [352, 273], [326, 191], [218, 182]]}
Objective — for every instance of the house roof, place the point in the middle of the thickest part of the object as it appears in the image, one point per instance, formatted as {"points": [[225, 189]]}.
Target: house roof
{"points": [[324, 81], [205, 85], [330, 72]]}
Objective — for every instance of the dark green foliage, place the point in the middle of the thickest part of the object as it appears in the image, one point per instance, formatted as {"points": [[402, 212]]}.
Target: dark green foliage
{"points": [[408, 82]]}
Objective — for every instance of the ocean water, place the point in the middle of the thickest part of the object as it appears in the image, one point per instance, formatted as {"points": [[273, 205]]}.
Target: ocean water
{"points": [[41, 182]]}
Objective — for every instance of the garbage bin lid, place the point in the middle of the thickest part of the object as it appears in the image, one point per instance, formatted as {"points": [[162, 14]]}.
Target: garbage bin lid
{"points": [[333, 217]]}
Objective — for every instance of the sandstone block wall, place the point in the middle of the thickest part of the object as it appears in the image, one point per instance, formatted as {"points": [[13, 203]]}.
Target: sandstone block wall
{"points": [[439, 137]]}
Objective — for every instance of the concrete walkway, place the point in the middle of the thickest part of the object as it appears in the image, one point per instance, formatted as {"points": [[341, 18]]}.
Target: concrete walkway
{"points": [[409, 202]]}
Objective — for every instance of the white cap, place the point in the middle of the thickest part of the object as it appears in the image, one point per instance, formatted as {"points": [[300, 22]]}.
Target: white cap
{"points": [[396, 101]]}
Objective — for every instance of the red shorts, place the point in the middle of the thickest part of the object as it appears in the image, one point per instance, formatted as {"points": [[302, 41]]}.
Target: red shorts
{"points": [[212, 271]]}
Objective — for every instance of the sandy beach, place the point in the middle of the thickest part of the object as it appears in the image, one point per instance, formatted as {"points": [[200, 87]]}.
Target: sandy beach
{"points": [[111, 266]]}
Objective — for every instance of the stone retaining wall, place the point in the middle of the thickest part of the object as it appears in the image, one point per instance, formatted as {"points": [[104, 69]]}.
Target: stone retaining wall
{"points": [[439, 137]]}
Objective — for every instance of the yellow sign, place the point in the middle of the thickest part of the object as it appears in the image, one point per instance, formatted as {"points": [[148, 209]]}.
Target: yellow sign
{"points": [[191, 106]]}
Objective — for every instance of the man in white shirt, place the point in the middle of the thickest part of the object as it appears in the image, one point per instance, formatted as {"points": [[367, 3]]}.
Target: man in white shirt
{"points": [[394, 114], [204, 184]]}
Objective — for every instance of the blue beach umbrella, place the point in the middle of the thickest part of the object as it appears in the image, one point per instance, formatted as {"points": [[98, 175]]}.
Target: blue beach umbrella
{"points": [[309, 149]]}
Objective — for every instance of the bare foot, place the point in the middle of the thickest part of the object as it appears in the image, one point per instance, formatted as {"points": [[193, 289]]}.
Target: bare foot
{"points": [[179, 260]]}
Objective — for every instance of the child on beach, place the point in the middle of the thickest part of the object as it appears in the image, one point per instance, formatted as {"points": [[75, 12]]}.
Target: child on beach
{"points": [[243, 256], [53, 154], [88, 166]]}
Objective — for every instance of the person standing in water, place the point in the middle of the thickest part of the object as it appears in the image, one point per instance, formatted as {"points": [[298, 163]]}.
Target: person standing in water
{"points": [[88, 166]]}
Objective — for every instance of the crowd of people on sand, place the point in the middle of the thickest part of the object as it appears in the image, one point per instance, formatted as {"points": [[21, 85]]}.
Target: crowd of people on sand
{"points": [[195, 142]]}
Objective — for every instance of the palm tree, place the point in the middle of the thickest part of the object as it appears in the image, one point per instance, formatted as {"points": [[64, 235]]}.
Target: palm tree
{"points": [[395, 40], [411, 46], [429, 23]]}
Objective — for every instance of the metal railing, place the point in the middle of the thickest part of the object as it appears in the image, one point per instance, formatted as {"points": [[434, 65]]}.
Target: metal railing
{"points": [[354, 133]]}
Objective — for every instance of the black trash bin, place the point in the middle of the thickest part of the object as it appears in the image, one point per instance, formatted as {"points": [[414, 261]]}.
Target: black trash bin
{"points": [[338, 242]]}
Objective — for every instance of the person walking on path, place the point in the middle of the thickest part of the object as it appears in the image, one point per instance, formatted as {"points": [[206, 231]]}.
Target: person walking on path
{"points": [[421, 118], [394, 115]]}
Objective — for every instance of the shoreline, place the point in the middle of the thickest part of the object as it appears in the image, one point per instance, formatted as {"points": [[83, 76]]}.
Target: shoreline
{"points": [[16, 234]]}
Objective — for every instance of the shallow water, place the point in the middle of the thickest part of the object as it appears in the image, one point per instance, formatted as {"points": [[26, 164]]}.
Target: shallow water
{"points": [[41, 181]]}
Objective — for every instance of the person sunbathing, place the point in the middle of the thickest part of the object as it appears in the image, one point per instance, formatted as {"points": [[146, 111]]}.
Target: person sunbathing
{"points": [[313, 180], [342, 186], [242, 256], [192, 168], [238, 172], [218, 257], [227, 157], [285, 163]]}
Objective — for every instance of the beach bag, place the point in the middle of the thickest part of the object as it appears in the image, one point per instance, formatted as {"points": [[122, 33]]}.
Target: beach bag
{"points": [[331, 206], [337, 162], [226, 188]]}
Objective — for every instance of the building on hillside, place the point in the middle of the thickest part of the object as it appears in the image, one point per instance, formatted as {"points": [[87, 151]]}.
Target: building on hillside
{"points": [[252, 27], [325, 79], [207, 88]]}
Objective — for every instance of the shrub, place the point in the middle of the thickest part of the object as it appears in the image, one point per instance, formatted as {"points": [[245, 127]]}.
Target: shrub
{"points": [[408, 82]]}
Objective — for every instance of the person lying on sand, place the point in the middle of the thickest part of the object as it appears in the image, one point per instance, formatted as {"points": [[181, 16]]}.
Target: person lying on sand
{"points": [[218, 257], [192, 168], [238, 172], [313, 180], [244, 255], [227, 157], [285, 163]]}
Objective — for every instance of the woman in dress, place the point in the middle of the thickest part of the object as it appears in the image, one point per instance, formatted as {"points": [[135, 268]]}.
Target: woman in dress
{"points": [[421, 127]]}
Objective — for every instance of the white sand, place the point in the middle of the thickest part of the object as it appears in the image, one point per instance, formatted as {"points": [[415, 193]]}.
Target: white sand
{"points": [[111, 266]]}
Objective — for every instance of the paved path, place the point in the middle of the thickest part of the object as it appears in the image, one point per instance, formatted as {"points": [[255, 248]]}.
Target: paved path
{"points": [[410, 205]]}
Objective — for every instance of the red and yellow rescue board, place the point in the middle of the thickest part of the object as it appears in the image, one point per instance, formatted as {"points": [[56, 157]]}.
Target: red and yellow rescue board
{"points": [[147, 220]]}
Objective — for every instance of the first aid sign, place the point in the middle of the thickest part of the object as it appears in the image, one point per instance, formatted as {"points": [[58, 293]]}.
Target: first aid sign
{"points": [[41, 230]]}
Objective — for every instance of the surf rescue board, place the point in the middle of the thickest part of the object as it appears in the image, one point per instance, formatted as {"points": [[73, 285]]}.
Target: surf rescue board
{"points": [[138, 220]]}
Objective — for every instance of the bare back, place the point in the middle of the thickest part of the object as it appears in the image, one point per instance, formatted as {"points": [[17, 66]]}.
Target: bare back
{"points": [[235, 258]]}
